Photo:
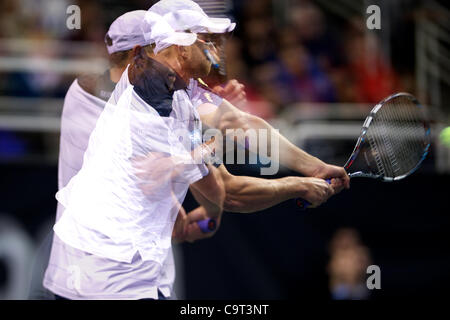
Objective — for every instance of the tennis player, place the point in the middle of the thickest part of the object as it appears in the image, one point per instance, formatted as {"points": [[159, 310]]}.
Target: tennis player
{"points": [[141, 85], [84, 102], [118, 220]]}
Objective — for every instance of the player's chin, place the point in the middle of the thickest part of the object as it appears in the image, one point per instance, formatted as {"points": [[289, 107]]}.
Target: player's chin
{"points": [[205, 69]]}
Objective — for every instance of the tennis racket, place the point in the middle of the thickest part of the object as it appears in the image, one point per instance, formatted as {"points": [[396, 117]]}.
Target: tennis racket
{"points": [[394, 141]]}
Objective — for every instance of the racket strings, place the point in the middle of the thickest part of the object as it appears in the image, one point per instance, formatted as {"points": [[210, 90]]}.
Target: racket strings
{"points": [[407, 143], [376, 153], [396, 137]]}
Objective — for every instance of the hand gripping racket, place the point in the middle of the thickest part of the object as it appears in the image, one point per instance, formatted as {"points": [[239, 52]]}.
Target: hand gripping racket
{"points": [[394, 141]]}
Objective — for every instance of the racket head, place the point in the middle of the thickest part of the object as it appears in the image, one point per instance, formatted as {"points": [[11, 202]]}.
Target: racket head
{"points": [[394, 140]]}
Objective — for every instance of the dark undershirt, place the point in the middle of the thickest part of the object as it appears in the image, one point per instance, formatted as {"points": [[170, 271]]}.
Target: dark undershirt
{"points": [[155, 83]]}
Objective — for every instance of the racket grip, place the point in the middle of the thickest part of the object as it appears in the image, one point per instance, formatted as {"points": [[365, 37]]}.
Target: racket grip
{"points": [[303, 204], [207, 225]]}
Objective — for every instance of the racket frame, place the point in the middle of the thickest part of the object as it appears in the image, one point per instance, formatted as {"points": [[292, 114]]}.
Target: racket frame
{"points": [[362, 140]]}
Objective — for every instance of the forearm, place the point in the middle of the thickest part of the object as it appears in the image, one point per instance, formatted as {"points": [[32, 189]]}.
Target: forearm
{"points": [[300, 161], [227, 116], [210, 193], [290, 155], [249, 194]]}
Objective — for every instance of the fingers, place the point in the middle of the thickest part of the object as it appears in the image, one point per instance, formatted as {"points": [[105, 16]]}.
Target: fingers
{"points": [[319, 191], [343, 177], [347, 181], [337, 173], [337, 184], [219, 90], [340, 184], [196, 215], [329, 190], [234, 92], [193, 232]]}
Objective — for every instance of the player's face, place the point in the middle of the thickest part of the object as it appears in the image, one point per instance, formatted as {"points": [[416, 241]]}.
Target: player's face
{"points": [[200, 65]]}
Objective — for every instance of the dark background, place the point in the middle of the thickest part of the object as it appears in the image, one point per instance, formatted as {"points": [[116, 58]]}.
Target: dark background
{"points": [[282, 253]]}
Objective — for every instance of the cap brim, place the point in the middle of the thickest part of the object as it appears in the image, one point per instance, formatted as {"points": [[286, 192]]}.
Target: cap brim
{"points": [[197, 22], [222, 24], [181, 38], [214, 25]]}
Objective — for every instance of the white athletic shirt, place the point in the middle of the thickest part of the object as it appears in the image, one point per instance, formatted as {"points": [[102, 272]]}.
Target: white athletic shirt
{"points": [[80, 274]]}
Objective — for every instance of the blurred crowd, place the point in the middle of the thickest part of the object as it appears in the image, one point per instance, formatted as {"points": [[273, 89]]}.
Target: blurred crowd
{"points": [[34, 30], [283, 54], [303, 55]]}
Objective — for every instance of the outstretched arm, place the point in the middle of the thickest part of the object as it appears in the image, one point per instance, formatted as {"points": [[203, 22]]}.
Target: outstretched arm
{"points": [[245, 194], [227, 116], [249, 194]]}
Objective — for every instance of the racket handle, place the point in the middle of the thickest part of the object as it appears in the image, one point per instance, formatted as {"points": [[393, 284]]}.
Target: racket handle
{"points": [[207, 225], [303, 204]]}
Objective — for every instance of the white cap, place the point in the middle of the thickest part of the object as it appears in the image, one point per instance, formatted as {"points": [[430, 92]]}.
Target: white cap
{"points": [[125, 32], [167, 21]]}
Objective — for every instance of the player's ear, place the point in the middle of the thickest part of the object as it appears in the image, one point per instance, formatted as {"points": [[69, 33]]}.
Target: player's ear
{"points": [[135, 53], [184, 52]]}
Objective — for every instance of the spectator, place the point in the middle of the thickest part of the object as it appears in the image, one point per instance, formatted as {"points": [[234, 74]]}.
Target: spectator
{"points": [[311, 29], [372, 77], [349, 260], [305, 79]]}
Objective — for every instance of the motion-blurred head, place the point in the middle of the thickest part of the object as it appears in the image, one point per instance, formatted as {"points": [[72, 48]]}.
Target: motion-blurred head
{"points": [[124, 40], [184, 37]]}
